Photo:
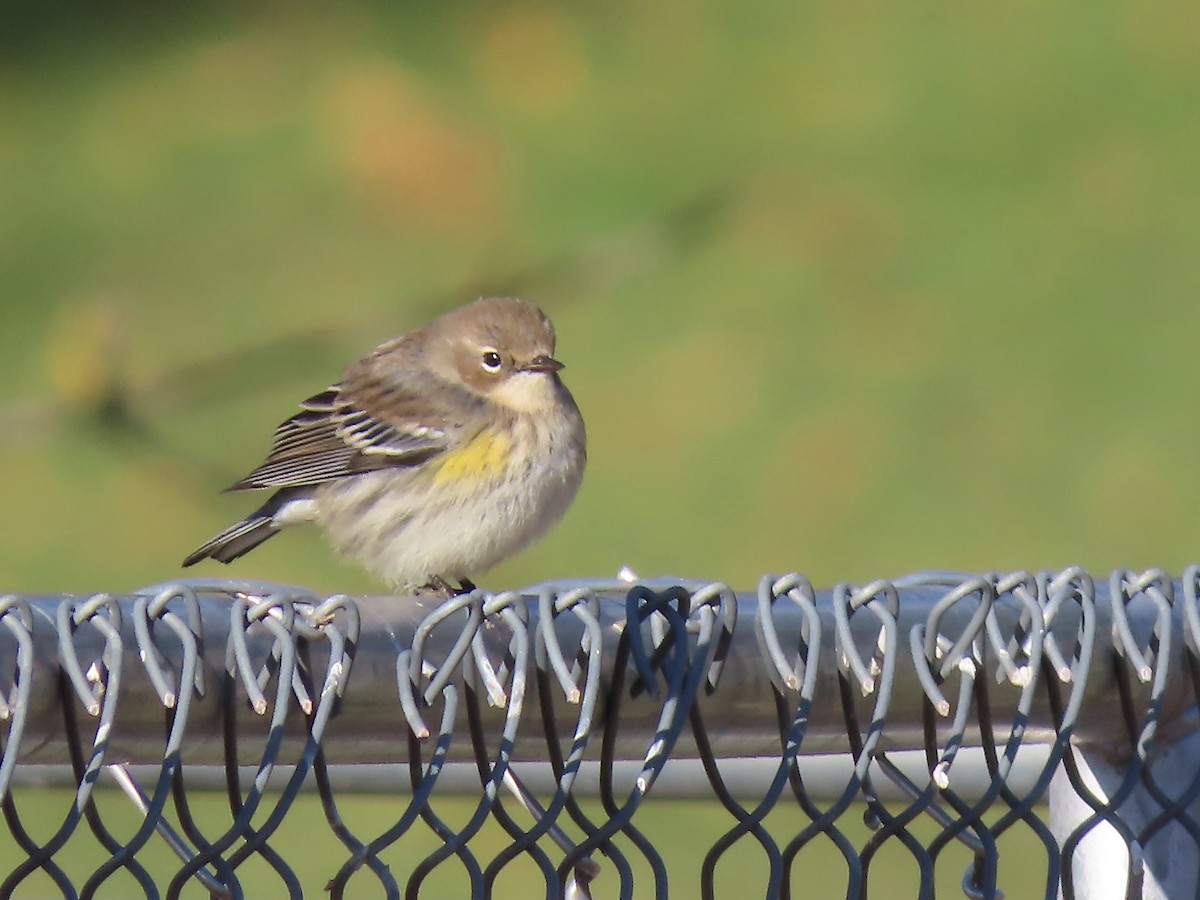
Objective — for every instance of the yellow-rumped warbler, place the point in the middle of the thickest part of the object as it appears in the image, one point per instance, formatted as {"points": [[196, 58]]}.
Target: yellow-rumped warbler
{"points": [[438, 454]]}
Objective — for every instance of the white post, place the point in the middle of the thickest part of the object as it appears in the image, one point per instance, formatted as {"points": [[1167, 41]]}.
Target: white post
{"points": [[1168, 866]]}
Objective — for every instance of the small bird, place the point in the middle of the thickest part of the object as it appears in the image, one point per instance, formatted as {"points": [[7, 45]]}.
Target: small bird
{"points": [[438, 455]]}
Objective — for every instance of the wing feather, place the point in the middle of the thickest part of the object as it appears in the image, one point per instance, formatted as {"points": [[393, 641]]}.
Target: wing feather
{"points": [[352, 428]]}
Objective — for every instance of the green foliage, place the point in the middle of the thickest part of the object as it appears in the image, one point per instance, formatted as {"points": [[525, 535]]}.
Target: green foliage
{"points": [[847, 292]]}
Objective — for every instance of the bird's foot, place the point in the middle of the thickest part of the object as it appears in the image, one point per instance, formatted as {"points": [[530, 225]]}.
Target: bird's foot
{"points": [[439, 585]]}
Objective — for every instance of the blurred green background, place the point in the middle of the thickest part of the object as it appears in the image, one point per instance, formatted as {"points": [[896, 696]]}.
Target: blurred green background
{"points": [[681, 835], [850, 291], [854, 290]]}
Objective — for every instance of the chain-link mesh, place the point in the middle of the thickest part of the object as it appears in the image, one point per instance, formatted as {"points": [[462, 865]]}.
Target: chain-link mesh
{"points": [[544, 697]]}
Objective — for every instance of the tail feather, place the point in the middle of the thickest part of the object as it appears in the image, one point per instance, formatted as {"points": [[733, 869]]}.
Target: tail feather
{"points": [[236, 540]]}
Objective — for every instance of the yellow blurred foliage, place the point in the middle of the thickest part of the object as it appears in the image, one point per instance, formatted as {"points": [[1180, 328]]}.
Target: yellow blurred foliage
{"points": [[410, 160], [532, 61], [83, 353]]}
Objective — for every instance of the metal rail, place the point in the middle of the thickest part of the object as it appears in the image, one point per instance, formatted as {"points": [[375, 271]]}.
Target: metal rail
{"points": [[264, 676]]}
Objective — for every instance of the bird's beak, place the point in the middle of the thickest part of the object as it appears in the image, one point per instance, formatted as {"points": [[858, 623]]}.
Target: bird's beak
{"points": [[542, 364]]}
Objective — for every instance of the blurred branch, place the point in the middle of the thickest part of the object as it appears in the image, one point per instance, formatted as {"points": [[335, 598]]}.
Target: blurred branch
{"points": [[115, 409], [600, 265]]}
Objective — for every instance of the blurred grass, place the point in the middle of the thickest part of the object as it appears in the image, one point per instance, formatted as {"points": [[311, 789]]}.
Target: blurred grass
{"points": [[849, 290], [845, 291], [938, 314], [306, 844]]}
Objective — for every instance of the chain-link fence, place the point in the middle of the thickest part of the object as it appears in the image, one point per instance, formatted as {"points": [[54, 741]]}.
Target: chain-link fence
{"points": [[556, 712]]}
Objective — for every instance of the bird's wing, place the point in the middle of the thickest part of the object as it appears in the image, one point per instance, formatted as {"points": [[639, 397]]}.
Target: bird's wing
{"points": [[348, 429]]}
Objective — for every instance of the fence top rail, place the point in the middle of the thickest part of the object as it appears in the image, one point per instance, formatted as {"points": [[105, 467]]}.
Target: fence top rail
{"points": [[891, 663]]}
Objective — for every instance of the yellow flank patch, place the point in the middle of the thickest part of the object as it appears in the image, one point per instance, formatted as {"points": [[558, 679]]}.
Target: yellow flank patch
{"points": [[485, 455]]}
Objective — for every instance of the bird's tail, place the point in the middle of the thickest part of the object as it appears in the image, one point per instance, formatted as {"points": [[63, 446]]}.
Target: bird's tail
{"points": [[236, 540]]}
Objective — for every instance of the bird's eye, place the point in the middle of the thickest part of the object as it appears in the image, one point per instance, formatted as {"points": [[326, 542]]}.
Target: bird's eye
{"points": [[492, 361]]}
